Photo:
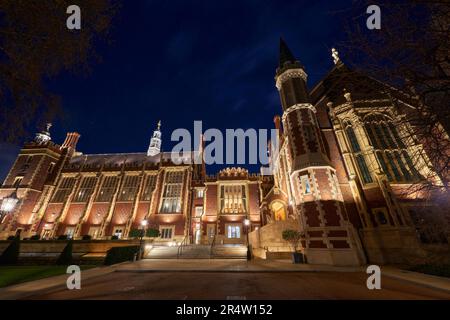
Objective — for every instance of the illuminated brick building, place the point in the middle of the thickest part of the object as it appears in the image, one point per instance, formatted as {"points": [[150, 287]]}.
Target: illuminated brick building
{"points": [[343, 165]]}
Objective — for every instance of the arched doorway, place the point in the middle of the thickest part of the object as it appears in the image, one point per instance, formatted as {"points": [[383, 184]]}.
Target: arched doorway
{"points": [[278, 209]]}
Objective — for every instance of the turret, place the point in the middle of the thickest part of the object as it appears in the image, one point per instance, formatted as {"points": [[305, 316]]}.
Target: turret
{"points": [[155, 142]]}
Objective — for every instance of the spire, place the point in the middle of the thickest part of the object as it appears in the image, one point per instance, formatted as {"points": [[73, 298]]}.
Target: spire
{"points": [[286, 54], [155, 142], [44, 135]]}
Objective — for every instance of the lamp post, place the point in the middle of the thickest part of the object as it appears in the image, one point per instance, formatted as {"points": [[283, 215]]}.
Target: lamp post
{"points": [[9, 204], [247, 228], [144, 226]]}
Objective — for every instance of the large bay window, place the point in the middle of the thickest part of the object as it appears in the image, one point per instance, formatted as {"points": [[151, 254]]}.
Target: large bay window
{"points": [[149, 186], [108, 189], [129, 188], [86, 189], [233, 199], [390, 149], [173, 185], [64, 190]]}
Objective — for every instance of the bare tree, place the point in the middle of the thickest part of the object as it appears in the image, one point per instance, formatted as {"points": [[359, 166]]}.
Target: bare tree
{"points": [[411, 53], [35, 45]]}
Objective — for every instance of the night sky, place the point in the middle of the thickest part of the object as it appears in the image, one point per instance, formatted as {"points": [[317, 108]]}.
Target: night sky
{"points": [[181, 61]]}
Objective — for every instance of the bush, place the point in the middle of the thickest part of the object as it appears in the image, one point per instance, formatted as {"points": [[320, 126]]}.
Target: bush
{"points": [[35, 237], [135, 233], [11, 255], [62, 237], [87, 237], [120, 254], [65, 258], [153, 233], [293, 237], [11, 238]]}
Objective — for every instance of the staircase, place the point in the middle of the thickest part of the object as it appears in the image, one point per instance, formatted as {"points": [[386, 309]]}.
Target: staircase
{"points": [[229, 251], [198, 252]]}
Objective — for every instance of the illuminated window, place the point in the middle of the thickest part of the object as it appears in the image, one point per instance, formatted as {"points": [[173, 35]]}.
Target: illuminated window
{"points": [[86, 189], [64, 190], [173, 184], [129, 188], [149, 187], [234, 232], [118, 232], [70, 231], [390, 149], [306, 184], [166, 233], [108, 189], [200, 193], [233, 199], [359, 157]]}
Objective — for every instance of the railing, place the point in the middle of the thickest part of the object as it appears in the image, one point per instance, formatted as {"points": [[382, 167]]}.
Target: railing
{"points": [[211, 249], [181, 246]]}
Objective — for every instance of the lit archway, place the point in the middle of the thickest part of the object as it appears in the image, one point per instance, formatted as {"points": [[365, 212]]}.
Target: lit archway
{"points": [[278, 209]]}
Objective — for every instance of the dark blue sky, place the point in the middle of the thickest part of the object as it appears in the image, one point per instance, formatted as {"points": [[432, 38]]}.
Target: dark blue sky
{"points": [[181, 61]]}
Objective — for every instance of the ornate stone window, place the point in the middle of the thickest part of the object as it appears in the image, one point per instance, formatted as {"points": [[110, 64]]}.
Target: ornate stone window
{"points": [[233, 199], [357, 153], [171, 201], [64, 190], [85, 190], [108, 189], [306, 184], [390, 149]]}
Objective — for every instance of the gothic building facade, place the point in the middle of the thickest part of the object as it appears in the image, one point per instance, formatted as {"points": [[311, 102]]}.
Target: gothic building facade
{"points": [[342, 176]]}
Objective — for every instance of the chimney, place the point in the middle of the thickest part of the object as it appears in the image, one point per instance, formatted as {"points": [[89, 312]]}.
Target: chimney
{"points": [[71, 140], [277, 121]]}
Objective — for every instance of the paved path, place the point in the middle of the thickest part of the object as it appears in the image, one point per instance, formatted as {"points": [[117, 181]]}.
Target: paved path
{"points": [[229, 285], [222, 279]]}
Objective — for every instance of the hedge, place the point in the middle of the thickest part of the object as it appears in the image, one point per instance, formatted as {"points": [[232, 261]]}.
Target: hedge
{"points": [[11, 255], [65, 258], [120, 254]]}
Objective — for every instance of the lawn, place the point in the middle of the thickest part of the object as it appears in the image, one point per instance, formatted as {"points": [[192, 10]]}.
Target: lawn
{"points": [[17, 274]]}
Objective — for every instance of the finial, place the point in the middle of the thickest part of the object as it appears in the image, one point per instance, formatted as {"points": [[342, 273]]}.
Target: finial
{"points": [[159, 125], [347, 95], [335, 55], [48, 126]]}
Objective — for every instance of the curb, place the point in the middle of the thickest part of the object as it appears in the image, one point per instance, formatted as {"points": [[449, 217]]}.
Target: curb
{"points": [[417, 282]]}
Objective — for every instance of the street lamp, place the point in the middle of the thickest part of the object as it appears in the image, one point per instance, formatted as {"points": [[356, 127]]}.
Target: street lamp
{"points": [[144, 226], [247, 228], [8, 204]]}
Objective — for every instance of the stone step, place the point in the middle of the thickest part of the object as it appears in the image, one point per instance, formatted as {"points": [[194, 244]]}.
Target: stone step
{"points": [[198, 252]]}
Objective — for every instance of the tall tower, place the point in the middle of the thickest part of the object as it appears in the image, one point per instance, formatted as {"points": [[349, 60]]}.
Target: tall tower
{"points": [[329, 237], [155, 142]]}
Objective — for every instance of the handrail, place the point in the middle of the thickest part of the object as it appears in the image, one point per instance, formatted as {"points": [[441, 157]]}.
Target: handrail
{"points": [[212, 246], [180, 247]]}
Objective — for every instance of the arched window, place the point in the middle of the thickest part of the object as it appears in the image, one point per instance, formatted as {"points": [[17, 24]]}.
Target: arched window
{"points": [[390, 149], [360, 161]]}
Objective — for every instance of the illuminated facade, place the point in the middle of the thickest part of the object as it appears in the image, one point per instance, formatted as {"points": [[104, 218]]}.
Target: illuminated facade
{"points": [[344, 163]]}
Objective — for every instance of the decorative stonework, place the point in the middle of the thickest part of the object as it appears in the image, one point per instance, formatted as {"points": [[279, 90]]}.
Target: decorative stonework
{"points": [[298, 106], [289, 74], [233, 172]]}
